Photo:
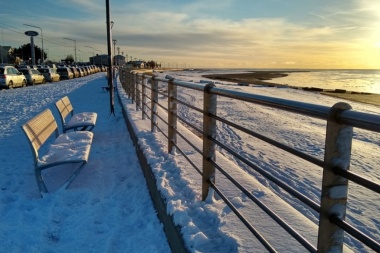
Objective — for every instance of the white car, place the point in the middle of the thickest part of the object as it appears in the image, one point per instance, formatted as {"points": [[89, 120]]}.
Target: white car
{"points": [[10, 77], [33, 76]]}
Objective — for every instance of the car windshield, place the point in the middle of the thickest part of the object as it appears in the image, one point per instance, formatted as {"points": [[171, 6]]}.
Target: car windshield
{"points": [[44, 70], [61, 70], [1, 71]]}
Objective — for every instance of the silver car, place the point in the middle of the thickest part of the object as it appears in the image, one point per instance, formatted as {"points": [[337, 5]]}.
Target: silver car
{"points": [[10, 77], [33, 76]]}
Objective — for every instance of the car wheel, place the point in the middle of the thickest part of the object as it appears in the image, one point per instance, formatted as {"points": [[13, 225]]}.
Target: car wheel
{"points": [[23, 83], [10, 85], [33, 82], [43, 81]]}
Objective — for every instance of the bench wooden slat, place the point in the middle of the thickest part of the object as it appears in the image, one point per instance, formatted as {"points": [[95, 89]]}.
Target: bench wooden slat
{"points": [[39, 129]]}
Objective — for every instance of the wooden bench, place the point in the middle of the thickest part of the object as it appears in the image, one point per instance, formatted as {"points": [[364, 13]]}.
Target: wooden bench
{"points": [[72, 147], [78, 121]]}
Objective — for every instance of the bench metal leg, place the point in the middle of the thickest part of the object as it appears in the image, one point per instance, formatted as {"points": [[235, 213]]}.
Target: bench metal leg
{"points": [[73, 176], [41, 184], [40, 181]]}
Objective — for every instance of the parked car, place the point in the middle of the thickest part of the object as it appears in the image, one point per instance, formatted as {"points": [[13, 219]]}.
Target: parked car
{"points": [[27, 67], [10, 77], [81, 73], [50, 74], [84, 70], [75, 72], [33, 76], [65, 73]]}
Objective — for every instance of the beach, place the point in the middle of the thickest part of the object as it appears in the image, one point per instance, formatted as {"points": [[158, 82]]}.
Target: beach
{"points": [[266, 78]]}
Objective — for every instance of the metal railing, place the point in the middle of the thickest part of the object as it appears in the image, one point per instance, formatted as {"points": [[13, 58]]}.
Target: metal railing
{"points": [[340, 120]]}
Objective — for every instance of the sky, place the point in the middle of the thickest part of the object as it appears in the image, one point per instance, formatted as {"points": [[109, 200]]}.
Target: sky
{"points": [[108, 209], [207, 33]]}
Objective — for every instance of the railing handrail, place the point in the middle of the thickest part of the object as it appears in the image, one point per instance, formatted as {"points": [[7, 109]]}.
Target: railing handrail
{"points": [[340, 122]]}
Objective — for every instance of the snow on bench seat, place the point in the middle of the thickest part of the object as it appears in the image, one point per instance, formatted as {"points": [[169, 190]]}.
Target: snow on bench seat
{"points": [[68, 148]]}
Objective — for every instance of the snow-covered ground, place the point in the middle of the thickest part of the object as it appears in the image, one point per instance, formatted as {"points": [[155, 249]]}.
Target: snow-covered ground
{"points": [[108, 209]]}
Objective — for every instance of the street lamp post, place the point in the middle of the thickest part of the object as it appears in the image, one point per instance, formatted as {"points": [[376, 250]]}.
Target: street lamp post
{"points": [[114, 54], [42, 41], [75, 48], [93, 60]]}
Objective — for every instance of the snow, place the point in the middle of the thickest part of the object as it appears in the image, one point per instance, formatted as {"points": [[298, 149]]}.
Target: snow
{"points": [[72, 146], [82, 119], [108, 208]]}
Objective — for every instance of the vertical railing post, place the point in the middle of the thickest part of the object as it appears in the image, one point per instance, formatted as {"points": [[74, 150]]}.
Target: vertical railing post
{"points": [[130, 85], [133, 87], [334, 188], [154, 101], [172, 119], [137, 87], [209, 129], [143, 96], [125, 76]]}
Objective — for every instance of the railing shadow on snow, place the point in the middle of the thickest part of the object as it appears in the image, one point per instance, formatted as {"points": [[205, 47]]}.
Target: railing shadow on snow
{"points": [[340, 120]]}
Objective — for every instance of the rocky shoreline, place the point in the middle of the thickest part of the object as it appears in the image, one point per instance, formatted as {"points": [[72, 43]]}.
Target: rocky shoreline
{"points": [[265, 78]]}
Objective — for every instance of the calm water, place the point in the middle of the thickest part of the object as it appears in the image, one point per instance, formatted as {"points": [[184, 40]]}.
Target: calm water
{"points": [[349, 80]]}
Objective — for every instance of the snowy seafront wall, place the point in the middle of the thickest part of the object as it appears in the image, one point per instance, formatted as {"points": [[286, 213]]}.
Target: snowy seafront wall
{"points": [[336, 161]]}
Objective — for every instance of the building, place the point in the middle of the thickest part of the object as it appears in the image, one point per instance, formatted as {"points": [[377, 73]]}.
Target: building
{"points": [[99, 59], [119, 60], [5, 54]]}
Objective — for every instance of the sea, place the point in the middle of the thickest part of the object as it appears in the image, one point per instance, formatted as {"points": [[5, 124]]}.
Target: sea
{"points": [[350, 80]]}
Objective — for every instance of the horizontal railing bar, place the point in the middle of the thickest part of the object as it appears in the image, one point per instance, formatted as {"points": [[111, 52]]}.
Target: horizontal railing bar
{"points": [[187, 158], [161, 79], [188, 105], [162, 119], [189, 124], [188, 142], [317, 111], [193, 86], [162, 132], [316, 207], [355, 233], [361, 120], [243, 219], [268, 211], [280, 145], [357, 179], [161, 106], [148, 98], [146, 105], [146, 115], [163, 94]]}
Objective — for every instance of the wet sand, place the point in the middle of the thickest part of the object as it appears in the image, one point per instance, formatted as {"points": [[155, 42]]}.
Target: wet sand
{"points": [[266, 78]]}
